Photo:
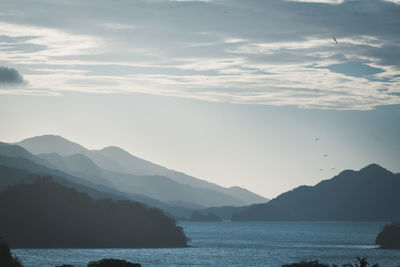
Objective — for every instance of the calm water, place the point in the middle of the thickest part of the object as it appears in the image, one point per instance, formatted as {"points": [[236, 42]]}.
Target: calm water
{"points": [[241, 244]]}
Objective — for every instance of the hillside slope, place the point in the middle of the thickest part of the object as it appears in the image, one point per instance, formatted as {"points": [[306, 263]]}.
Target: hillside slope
{"points": [[371, 194], [117, 160], [45, 214]]}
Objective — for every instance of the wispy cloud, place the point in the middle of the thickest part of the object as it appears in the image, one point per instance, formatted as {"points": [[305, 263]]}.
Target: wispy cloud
{"points": [[259, 52]]}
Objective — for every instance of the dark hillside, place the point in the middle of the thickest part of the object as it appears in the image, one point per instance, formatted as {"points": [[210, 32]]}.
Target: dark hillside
{"points": [[45, 214]]}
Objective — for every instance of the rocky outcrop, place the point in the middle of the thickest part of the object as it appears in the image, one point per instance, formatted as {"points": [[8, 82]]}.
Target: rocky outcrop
{"points": [[6, 258], [112, 263], [389, 237]]}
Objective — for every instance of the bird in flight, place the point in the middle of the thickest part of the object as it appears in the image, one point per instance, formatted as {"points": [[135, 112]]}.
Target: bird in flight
{"points": [[325, 155], [334, 39], [316, 139]]}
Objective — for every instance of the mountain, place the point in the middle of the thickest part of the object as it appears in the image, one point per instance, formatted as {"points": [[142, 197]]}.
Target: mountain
{"points": [[23, 164], [78, 165], [45, 214], [117, 160], [154, 186], [10, 150], [225, 212], [371, 194], [137, 166], [51, 144]]}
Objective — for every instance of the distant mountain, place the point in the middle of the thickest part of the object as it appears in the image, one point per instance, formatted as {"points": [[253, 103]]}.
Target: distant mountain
{"points": [[78, 165], [117, 160], [51, 144], [225, 212], [371, 194], [23, 164], [137, 166], [45, 214], [10, 150], [198, 216], [157, 187], [131, 187]]}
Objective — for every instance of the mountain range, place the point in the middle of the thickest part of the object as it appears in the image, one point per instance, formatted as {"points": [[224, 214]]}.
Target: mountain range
{"points": [[370, 194], [114, 170]]}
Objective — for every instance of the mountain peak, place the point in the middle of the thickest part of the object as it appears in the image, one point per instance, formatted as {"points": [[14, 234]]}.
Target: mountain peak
{"points": [[370, 194], [373, 167], [48, 137], [51, 144], [114, 149]]}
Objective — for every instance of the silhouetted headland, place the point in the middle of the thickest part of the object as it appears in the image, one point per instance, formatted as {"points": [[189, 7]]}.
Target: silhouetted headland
{"points": [[45, 214], [389, 237], [6, 258]]}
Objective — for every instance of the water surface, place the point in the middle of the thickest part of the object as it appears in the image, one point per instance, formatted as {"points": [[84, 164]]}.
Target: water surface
{"points": [[241, 244]]}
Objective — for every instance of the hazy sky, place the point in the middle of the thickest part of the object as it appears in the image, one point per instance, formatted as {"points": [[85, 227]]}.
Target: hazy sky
{"points": [[234, 92]]}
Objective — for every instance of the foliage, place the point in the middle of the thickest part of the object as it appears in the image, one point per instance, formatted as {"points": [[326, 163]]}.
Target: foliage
{"points": [[45, 214], [360, 262]]}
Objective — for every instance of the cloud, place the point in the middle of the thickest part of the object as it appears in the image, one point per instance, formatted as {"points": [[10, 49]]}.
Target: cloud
{"points": [[332, 2], [10, 76], [259, 52]]}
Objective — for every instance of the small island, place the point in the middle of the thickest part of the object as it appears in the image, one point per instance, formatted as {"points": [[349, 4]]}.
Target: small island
{"points": [[198, 216], [389, 237]]}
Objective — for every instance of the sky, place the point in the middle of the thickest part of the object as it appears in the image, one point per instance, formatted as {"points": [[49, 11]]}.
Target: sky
{"points": [[251, 93]]}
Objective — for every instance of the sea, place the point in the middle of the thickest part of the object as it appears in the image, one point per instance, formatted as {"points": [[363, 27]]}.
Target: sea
{"points": [[241, 244]]}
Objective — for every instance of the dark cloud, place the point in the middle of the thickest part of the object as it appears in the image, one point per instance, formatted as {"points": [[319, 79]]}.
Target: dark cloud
{"points": [[10, 76]]}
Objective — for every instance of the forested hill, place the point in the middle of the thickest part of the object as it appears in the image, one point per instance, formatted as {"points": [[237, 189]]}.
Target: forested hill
{"points": [[45, 214]]}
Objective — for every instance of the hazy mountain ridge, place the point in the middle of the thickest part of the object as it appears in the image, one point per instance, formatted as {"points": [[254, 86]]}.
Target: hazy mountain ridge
{"points": [[157, 187], [117, 160], [76, 164], [137, 166], [53, 144], [26, 167], [370, 194]]}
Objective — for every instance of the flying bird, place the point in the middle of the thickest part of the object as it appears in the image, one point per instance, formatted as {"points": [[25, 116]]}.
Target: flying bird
{"points": [[334, 39], [325, 155], [316, 139]]}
